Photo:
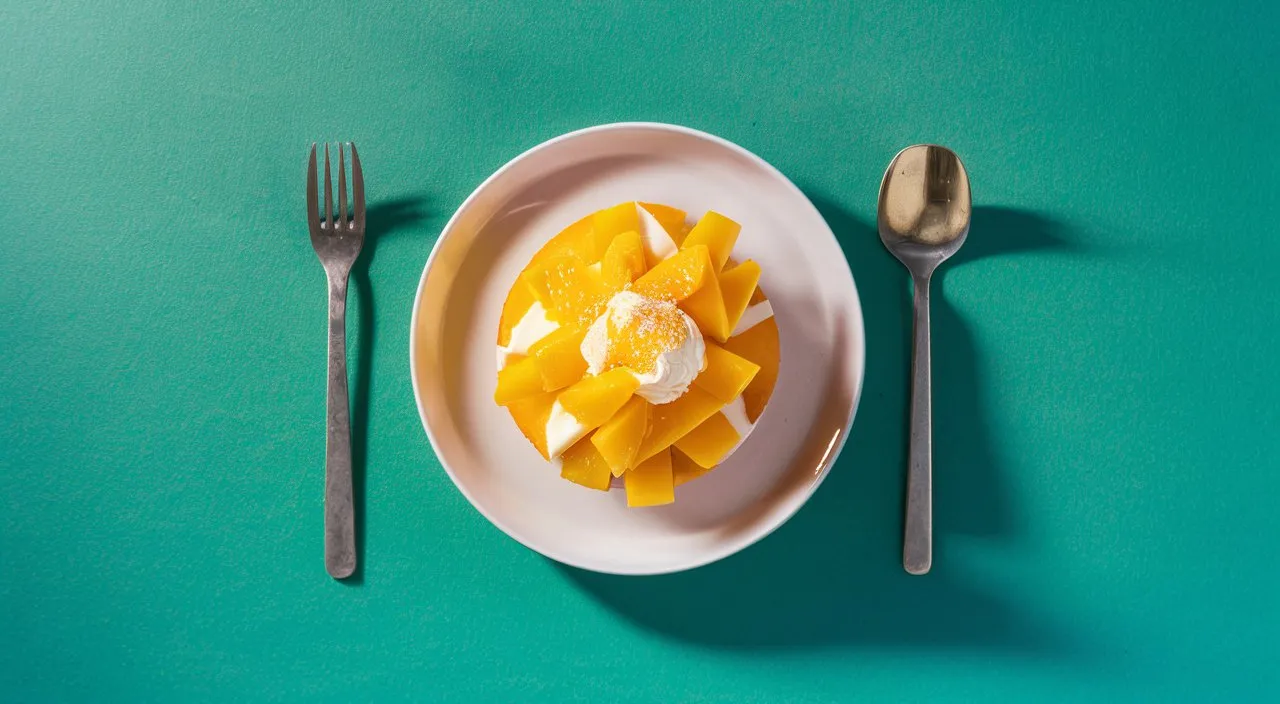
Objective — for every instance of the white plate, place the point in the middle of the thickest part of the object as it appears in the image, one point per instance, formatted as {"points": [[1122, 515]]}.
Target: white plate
{"points": [[495, 233]]}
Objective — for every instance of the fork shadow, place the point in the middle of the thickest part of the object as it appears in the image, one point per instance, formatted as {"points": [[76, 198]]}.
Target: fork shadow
{"points": [[832, 576], [381, 220]]}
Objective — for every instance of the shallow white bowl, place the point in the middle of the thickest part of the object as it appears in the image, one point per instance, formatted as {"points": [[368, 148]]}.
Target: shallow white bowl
{"points": [[495, 233]]}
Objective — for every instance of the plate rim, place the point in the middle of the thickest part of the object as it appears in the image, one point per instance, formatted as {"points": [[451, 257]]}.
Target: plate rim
{"points": [[726, 549]]}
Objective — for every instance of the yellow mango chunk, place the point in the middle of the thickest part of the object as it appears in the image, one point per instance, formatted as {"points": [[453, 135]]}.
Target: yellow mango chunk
{"points": [[684, 469], [595, 399], [572, 291], [611, 222], [651, 483], [759, 345], [530, 415], [710, 442], [718, 233], [582, 464], [677, 277], [671, 219], [518, 380], [558, 357], [623, 261], [737, 286], [671, 421], [706, 307], [727, 375], [618, 440]]}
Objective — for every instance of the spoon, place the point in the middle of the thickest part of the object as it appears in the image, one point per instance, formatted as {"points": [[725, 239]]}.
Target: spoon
{"points": [[923, 219]]}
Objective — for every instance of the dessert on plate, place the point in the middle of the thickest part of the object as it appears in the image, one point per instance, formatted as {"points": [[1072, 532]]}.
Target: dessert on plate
{"points": [[635, 352]]}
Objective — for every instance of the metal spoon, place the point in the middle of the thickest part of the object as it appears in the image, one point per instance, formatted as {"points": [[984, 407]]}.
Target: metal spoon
{"points": [[923, 219]]}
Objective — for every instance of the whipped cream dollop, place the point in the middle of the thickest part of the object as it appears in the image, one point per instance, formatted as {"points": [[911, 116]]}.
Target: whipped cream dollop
{"points": [[673, 368]]}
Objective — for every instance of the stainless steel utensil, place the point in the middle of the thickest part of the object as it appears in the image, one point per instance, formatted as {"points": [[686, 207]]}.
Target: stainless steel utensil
{"points": [[337, 243], [923, 219]]}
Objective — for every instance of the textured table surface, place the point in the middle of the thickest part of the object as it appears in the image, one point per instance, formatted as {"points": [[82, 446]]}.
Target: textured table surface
{"points": [[1107, 434]]}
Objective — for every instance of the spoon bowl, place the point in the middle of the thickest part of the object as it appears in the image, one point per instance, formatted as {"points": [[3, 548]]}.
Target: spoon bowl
{"points": [[923, 218], [924, 208]]}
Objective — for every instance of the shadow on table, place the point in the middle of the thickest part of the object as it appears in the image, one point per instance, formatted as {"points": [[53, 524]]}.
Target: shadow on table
{"points": [[833, 575], [382, 219]]}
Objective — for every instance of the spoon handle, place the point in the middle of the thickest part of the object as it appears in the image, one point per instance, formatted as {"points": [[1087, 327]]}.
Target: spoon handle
{"points": [[917, 538]]}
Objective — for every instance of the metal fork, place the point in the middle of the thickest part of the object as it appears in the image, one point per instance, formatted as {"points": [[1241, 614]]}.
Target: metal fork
{"points": [[337, 243]]}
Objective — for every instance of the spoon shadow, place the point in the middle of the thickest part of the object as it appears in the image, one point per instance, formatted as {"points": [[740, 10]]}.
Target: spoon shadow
{"points": [[832, 576]]}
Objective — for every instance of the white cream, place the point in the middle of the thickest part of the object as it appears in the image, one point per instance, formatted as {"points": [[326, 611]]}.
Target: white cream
{"points": [[533, 326], [753, 316], [736, 413], [657, 242], [562, 430], [673, 370]]}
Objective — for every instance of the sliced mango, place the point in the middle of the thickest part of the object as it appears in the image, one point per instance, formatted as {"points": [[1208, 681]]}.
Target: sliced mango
{"points": [[611, 222], [759, 345], [582, 464], [651, 483], [710, 442], [623, 261], [727, 375], [530, 415], [574, 290], [517, 380], [671, 421], [736, 286], [671, 219], [618, 440], [706, 307], [558, 357], [684, 469], [678, 277], [718, 233], [595, 399]]}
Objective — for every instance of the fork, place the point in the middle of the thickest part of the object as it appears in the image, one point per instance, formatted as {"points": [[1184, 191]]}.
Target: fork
{"points": [[337, 243]]}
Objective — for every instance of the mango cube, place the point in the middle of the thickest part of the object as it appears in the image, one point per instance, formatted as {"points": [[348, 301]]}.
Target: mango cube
{"points": [[530, 415], [737, 285], [572, 291], [706, 307], [671, 421], [582, 464], [759, 345], [518, 380], [595, 399], [708, 443], [727, 375], [618, 440], [684, 469], [651, 483], [558, 357], [677, 277], [718, 233], [623, 261], [611, 222]]}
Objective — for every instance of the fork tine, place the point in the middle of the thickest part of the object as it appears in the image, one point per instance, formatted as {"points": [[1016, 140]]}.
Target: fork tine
{"points": [[313, 197], [328, 192], [342, 191], [357, 190]]}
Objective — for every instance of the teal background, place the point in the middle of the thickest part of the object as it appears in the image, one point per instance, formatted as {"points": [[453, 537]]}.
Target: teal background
{"points": [[1107, 435]]}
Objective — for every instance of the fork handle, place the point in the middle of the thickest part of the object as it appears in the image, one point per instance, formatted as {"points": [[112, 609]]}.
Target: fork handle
{"points": [[339, 509]]}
